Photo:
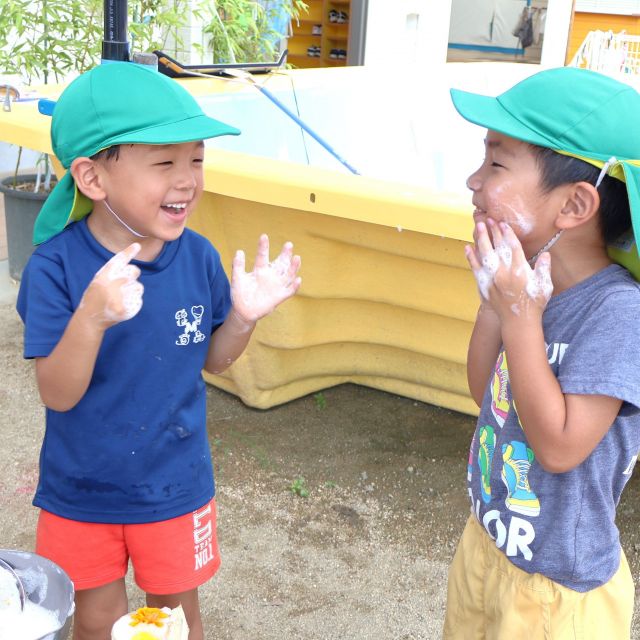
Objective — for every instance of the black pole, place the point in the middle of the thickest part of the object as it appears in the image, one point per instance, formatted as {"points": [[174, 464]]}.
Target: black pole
{"points": [[115, 45]]}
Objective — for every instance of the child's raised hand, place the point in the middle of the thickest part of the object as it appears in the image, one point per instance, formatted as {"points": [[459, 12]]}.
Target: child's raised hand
{"points": [[114, 294], [256, 294], [503, 274]]}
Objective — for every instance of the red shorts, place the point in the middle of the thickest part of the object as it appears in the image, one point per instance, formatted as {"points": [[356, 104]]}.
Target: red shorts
{"points": [[168, 557]]}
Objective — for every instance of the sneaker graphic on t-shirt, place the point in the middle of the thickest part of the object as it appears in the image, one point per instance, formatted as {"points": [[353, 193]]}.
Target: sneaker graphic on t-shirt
{"points": [[517, 459], [499, 393], [487, 445]]}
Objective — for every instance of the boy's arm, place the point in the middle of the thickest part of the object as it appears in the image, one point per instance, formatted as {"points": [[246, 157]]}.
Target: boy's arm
{"points": [[113, 295], [561, 429], [254, 295], [482, 354]]}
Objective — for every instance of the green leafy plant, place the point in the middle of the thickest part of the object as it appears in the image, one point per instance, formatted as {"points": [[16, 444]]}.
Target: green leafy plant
{"points": [[299, 488], [157, 24], [244, 30], [44, 41], [48, 40], [320, 400]]}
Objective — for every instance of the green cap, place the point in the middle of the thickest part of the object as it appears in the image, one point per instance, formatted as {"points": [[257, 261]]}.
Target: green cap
{"points": [[576, 112], [112, 104]]}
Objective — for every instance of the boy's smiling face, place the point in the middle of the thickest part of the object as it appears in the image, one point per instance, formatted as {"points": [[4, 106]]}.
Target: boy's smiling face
{"points": [[153, 188], [506, 188]]}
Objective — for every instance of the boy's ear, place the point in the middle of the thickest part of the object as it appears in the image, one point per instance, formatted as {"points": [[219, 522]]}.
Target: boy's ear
{"points": [[581, 203], [87, 179]]}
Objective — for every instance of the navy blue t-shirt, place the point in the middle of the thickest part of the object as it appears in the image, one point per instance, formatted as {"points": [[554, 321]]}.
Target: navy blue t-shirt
{"points": [[135, 448]]}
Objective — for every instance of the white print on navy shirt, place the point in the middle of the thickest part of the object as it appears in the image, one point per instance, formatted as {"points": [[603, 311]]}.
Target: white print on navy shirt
{"points": [[202, 537], [190, 327]]}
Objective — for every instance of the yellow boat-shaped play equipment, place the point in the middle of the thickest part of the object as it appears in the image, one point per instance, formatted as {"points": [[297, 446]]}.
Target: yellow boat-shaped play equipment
{"points": [[387, 299]]}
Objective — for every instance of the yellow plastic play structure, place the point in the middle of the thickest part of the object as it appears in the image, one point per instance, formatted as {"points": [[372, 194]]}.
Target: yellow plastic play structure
{"points": [[387, 298]]}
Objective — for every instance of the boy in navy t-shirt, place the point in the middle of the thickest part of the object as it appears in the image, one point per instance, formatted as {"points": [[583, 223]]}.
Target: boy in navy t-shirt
{"points": [[123, 308]]}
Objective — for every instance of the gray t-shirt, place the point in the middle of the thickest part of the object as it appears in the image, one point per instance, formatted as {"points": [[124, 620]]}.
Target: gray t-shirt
{"points": [[563, 525]]}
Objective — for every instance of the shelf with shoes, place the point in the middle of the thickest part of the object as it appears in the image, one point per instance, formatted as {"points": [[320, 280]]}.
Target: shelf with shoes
{"points": [[335, 37], [320, 38], [305, 42]]}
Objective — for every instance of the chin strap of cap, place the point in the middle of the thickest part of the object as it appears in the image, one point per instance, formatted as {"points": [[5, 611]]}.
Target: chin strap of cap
{"points": [[603, 172]]}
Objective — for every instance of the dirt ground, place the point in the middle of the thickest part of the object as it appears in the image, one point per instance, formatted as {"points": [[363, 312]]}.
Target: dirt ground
{"points": [[363, 556]]}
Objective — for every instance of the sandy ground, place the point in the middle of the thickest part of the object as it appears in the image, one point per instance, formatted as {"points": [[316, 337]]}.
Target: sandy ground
{"points": [[363, 556]]}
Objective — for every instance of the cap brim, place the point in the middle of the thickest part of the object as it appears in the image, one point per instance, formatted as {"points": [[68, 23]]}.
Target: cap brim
{"points": [[488, 112], [199, 127]]}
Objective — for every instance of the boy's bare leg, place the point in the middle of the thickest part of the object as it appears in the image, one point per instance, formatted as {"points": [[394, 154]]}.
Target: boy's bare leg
{"points": [[190, 604], [98, 609]]}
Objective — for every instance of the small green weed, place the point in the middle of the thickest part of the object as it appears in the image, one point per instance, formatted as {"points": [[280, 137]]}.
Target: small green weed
{"points": [[321, 401], [298, 487]]}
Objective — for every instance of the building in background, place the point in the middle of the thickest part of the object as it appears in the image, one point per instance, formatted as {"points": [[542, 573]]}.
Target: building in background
{"points": [[602, 15], [510, 30]]}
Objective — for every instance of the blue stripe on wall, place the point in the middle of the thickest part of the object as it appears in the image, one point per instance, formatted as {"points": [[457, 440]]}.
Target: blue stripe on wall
{"points": [[479, 47]]}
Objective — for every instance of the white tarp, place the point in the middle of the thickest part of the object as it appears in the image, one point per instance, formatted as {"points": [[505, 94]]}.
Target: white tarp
{"points": [[485, 23]]}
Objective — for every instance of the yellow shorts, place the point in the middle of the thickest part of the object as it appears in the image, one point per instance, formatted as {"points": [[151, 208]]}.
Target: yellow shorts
{"points": [[489, 598]]}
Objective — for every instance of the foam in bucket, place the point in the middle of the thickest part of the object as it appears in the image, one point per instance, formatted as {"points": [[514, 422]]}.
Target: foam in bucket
{"points": [[49, 607]]}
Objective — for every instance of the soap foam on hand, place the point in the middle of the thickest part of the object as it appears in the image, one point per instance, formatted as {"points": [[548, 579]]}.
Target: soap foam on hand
{"points": [[30, 624], [150, 623]]}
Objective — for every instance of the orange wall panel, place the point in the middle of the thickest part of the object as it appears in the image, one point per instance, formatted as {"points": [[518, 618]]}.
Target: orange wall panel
{"points": [[585, 22]]}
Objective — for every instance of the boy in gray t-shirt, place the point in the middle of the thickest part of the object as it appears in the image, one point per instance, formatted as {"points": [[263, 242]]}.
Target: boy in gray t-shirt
{"points": [[553, 362]]}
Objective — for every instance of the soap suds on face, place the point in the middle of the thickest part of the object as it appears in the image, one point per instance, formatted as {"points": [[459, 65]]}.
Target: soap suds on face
{"points": [[514, 213], [515, 217]]}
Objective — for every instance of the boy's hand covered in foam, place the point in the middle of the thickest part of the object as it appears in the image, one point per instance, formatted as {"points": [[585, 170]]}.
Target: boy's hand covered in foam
{"points": [[503, 274], [258, 293], [114, 294]]}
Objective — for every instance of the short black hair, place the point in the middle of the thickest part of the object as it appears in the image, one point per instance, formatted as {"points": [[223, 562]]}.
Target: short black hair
{"points": [[107, 154], [557, 169]]}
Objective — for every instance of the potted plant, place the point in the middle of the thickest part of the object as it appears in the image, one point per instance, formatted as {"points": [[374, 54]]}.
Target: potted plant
{"points": [[41, 41], [51, 41], [24, 195]]}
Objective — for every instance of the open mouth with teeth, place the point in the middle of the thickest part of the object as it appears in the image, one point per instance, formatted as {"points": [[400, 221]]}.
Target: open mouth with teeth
{"points": [[174, 208]]}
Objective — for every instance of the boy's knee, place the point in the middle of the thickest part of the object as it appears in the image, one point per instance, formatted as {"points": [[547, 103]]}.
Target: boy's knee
{"points": [[97, 610]]}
